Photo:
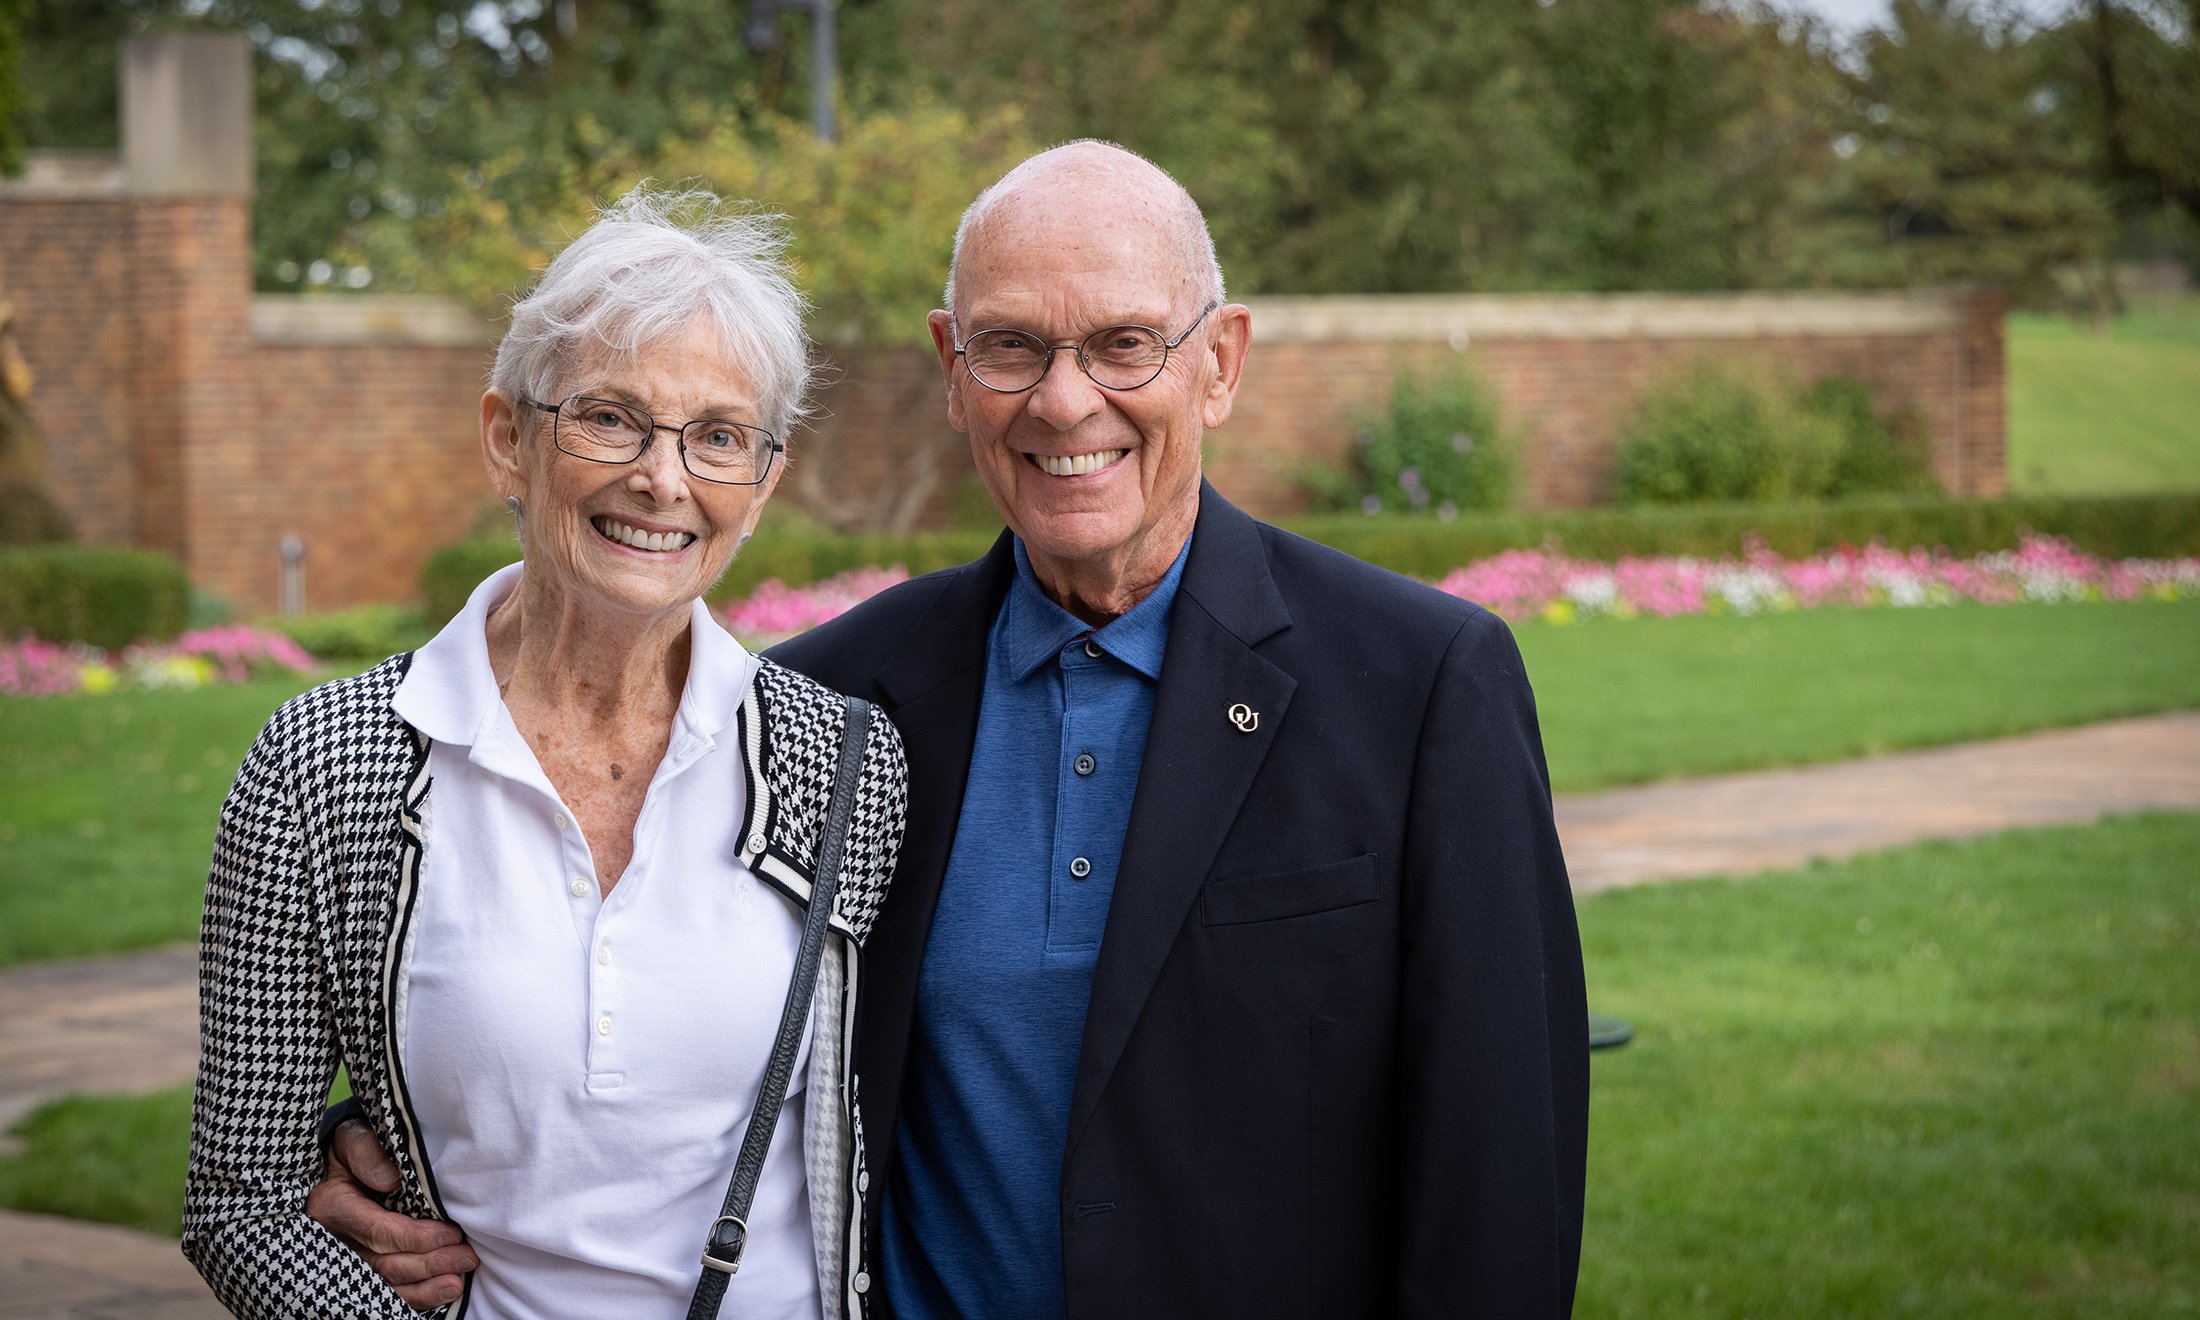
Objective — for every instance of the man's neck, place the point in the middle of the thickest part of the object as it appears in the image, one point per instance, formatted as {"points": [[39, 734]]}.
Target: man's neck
{"points": [[1102, 589]]}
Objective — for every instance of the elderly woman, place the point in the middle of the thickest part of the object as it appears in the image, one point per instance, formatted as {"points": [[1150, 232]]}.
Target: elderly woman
{"points": [[540, 887]]}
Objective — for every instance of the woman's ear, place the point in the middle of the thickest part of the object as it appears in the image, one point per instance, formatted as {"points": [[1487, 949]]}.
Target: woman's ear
{"points": [[501, 428]]}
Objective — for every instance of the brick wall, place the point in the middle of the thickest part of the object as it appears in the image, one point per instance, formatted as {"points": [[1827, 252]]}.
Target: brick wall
{"points": [[365, 446], [1568, 370], [182, 412], [65, 264]]}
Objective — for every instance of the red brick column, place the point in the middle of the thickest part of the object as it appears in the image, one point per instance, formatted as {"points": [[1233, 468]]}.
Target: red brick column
{"points": [[191, 391], [1983, 385]]}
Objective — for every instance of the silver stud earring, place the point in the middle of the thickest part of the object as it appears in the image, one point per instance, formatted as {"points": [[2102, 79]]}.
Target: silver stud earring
{"points": [[512, 502]]}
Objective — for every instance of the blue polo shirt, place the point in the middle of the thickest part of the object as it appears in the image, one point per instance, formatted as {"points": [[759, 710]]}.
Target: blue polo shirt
{"points": [[973, 1223]]}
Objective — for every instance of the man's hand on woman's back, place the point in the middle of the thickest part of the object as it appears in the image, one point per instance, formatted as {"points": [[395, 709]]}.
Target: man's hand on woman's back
{"points": [[422, 1259]]}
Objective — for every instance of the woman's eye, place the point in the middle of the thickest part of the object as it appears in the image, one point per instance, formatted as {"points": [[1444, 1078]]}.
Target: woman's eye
{"points": [[609, 420], [719, 437]]}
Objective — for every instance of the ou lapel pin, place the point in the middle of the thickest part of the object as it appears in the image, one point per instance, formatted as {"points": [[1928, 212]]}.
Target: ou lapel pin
{"points": [[1244, 717]]}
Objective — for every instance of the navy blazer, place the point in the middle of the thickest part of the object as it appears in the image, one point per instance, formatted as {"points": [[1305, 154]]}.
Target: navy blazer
{"points": [[1336, 1060]]}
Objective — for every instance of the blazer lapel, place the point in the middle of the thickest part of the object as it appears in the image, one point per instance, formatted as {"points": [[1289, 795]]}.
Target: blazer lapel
{"points": [[1198, 767], [930, 688]]}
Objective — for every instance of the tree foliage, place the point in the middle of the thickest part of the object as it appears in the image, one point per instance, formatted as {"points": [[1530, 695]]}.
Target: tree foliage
{"points": [[1338, 146]]}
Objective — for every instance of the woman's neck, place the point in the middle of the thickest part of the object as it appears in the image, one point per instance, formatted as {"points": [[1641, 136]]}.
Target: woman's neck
{"points": [[550, 651]]}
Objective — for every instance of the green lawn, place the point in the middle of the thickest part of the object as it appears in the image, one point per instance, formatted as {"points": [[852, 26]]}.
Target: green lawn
{"points": [[118, 1159], [107, 809], [1623, 701], [1950, 1080], [2099, 414], [107, 804]]}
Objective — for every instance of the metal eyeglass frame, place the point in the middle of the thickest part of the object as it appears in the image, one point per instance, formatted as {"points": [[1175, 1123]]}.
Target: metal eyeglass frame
{"points": [[1084, 359], [557, 412]]}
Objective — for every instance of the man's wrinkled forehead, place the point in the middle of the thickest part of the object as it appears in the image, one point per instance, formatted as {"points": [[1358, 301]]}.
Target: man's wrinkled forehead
{"points": [[1082, 211], [1074, 240]]}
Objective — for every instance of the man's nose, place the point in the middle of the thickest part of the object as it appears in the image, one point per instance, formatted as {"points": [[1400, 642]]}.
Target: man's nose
{"points": [[1065, 394]]}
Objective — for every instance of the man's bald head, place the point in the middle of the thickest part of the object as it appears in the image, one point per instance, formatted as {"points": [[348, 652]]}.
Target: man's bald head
{"points": [[1097, 178]]}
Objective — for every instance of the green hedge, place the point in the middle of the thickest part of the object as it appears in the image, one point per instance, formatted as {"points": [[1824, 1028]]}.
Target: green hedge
{"points": [[97, 594], [362, 632], [2141, 526], [2122, 526]]}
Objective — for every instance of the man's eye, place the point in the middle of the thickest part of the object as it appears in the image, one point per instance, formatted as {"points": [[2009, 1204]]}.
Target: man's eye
{"points": [[1010, 344]]}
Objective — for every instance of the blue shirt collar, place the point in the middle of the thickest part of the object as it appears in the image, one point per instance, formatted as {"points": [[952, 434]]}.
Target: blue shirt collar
{"points": [[1033, 629]]}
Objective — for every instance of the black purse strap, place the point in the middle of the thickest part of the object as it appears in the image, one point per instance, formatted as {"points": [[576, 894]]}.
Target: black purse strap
{"points": [[729, 1233]]}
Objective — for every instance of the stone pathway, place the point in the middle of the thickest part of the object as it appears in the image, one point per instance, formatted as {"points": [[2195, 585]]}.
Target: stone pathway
{"points": [[59, 1269], [1744, 823], [129, 1022]]}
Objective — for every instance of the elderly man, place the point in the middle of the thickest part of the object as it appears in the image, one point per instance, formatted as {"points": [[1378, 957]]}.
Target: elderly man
{"points": [[1231, 968]]}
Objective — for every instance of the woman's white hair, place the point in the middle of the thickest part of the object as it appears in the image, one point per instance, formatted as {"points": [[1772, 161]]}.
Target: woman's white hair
{"points": [[653, 263]]}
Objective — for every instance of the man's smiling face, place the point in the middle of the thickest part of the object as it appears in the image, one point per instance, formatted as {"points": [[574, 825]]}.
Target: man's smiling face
{"points": [[1102, 485]]}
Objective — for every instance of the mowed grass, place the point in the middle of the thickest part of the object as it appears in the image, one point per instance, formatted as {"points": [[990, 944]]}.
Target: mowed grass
{"points": [[108, 804], [117, 1159], [2101, 414], [1640, 699], [1949, 1080], [107, 807]]}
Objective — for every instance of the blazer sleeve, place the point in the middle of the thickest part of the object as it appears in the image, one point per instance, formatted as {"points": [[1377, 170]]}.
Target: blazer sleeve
{"points": [[267, 1053], [1494, 1086]]}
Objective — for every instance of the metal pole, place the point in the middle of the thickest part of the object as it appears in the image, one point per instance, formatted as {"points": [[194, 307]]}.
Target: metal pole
{"points": [[823, 60]]}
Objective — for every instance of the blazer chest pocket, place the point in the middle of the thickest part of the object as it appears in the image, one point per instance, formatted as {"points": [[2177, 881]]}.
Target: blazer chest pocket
{"points": [[1237, 900]]}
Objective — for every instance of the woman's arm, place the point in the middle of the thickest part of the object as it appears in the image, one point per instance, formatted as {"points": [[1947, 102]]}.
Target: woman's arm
{"points": [[267, 1052]]}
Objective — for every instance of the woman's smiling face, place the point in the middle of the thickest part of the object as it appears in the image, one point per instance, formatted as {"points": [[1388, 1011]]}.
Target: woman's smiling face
{"points": [[645, 537]]}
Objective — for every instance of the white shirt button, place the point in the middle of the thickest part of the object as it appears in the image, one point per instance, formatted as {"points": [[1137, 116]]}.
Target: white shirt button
{"points": [[603, 1025], [756, 843], [863, 1181], [863, 1282], [603, 956], [560, 820], [1079, 867], [1092, 648], [579, 887]]}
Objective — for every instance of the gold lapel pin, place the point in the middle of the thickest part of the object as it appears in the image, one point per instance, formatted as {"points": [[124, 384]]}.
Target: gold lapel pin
{"points": [[1244, 717]]}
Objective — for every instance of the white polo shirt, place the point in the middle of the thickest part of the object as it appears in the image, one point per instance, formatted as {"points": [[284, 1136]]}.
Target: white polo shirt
{"points": [[583, 1068]]}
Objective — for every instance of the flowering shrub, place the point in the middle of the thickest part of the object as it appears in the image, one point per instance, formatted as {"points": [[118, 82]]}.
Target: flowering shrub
{"points": [[776, 610], [34, 668], [1546, 585]]}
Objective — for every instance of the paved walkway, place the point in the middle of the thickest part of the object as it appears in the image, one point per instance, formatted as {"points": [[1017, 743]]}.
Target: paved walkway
{"points": [[128, 1022]]}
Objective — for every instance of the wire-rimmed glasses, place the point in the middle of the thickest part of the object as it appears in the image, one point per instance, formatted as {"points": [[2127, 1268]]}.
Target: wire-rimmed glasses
{"points": [[711, 449], [1120, 357]]}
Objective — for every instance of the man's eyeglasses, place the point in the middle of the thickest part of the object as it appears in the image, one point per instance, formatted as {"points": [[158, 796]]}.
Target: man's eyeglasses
{"points": [[1121, 357], [608, 431]]}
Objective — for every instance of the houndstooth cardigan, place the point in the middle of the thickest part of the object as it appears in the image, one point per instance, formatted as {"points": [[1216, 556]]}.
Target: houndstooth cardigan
{"points": [[302, 955]]}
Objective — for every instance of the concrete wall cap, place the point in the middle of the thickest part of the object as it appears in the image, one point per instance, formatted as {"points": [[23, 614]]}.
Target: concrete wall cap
{"points": [[362, 318], [66, 176], [1462, 318]]}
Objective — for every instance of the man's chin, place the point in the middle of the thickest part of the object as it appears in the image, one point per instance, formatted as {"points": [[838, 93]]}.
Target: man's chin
{"points": [[1075, 537]]}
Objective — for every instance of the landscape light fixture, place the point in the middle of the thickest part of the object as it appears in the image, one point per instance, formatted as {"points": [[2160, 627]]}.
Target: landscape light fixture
{"points": [[762, 34]]}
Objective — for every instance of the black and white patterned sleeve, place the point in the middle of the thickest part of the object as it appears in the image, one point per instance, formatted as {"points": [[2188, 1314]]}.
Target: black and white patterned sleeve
{"points": [[874, 835], [267, 1053]]}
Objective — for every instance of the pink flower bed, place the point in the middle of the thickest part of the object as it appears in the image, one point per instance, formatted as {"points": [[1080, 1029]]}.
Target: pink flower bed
{"points": [[777, 610], [33, 668], [1547, 585], [1525, 584]]}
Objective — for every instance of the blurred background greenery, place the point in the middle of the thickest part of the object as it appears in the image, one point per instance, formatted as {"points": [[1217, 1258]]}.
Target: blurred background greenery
{"points": [[1338, 145]]}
